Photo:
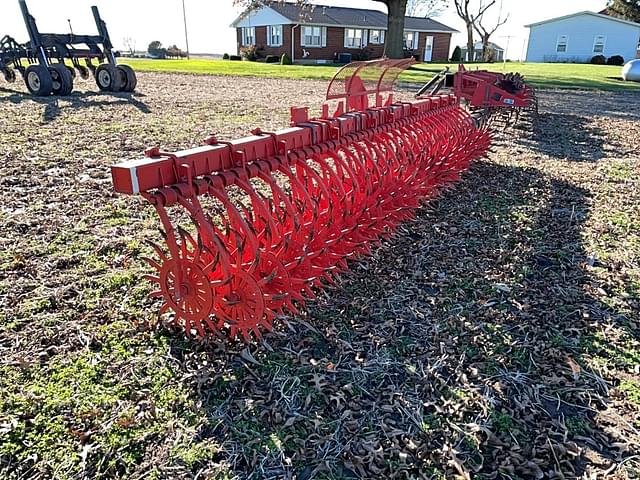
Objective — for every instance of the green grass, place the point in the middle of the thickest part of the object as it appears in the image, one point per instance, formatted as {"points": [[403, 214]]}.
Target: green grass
{"points": [[560, 75], [67, 402], [545, 75], [631, 389], [240, 69], [577, 426], [502, 422]]}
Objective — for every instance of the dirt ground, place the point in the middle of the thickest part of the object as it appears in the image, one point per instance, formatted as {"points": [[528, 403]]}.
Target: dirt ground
{"points": [[497, 336]]}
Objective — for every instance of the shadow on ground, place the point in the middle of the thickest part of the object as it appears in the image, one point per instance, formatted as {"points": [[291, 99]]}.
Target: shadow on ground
{"points": [[469, 344], [564, 136], [54, 106], [463, 345]]}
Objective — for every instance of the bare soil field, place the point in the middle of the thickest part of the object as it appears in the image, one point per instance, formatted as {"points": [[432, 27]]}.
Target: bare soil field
{"points": [[497, 336]]}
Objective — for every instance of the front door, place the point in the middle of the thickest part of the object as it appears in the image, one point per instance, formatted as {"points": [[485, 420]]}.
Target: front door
{"points": [[428, 49]]}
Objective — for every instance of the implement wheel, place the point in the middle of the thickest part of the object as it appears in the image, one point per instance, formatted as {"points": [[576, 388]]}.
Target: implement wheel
{"points": [[9, 75], [38, 80], [109, 78], [62, 79], [130, 78]]}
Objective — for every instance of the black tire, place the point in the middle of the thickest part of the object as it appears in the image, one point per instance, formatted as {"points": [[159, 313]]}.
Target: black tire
{"points": [[109, 78], [83, 72], [62, 79], [9, 75], [38, 80], [131, 79], [72, 71]]}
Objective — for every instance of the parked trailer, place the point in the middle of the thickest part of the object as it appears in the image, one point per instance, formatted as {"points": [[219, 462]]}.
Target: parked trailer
{"points": [[46, 72]]}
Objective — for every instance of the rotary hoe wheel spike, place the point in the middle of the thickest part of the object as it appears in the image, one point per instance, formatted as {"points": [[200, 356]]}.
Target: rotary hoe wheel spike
{"points": [[159, 251], [290, 221], [152, 278], [152, 263], [185, 236]]}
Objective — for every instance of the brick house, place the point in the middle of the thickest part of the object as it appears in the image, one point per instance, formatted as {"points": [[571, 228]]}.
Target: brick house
{"points": [[322, 34]]}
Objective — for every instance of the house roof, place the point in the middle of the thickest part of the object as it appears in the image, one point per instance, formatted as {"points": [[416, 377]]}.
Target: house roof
{"points": [[351, 17], [586, 12]]}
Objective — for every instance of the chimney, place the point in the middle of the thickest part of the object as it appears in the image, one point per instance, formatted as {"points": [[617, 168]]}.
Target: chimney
{"points": [[324, 10]]}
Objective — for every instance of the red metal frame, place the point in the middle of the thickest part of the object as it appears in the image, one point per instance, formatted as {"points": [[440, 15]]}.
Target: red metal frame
{"points": [[357, 80], [479, 88], [350, 179]]}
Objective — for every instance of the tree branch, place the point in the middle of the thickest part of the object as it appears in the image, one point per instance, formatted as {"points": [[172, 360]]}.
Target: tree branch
{"points": [[482, 9]]}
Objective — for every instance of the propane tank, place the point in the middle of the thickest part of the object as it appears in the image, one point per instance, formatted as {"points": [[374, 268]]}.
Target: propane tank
{"points": [[631, 71]]}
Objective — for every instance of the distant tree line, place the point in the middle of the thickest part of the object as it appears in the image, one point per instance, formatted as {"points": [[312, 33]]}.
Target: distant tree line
{"points": [[156, 50]]}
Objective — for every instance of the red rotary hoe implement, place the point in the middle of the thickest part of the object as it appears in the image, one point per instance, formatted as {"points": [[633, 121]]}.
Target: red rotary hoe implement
{"points": [[489, 94], [254, 226]]}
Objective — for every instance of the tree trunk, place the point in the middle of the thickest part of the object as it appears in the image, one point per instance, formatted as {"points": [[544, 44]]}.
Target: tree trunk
{"points": [[394, 44], [471, 51], [485, 49]]}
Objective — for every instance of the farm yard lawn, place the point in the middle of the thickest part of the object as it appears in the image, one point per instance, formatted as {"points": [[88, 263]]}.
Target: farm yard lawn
{"points": [[544, 75], [496, 335]]}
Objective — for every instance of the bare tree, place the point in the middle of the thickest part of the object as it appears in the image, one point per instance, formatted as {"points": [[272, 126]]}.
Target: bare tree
{"points": [[485, 33], [396, 9], [425, 8], [464, 11], [129, 44]]}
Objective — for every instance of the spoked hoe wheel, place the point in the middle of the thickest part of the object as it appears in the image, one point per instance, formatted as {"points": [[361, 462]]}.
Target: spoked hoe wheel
{"points": [[240, 303], [184, 285], [191, 298], [38, 80]]}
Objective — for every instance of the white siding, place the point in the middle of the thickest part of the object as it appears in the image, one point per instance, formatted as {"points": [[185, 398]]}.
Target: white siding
{"points": [[621, 39], [262, 17]]}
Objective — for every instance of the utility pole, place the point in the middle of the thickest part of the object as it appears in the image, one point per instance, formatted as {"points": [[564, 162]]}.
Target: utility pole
{"points": [[504, 56], [186, 35]]}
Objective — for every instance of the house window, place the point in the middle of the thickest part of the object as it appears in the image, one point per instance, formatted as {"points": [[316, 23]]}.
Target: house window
{"points": [[248, 36], [274, 35], [313, 36], [411, 40], [354, 38], [563, 44], [598, 44], [376, 37]]}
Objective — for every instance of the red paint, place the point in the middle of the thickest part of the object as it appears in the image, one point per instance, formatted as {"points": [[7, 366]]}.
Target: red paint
{"points": [[329, 190]]}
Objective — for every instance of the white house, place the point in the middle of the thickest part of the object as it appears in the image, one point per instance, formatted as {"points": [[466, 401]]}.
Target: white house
{"points": [[580, 36], [496, 50]]}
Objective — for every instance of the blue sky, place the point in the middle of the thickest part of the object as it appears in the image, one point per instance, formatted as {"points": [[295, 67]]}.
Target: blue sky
{"points": [[209, 20]]}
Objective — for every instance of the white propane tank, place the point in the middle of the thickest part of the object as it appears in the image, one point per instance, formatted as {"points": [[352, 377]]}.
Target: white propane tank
{"points": [[631, 71]]}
